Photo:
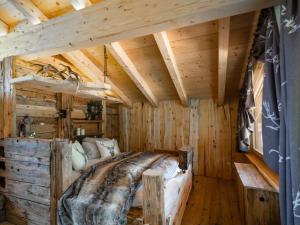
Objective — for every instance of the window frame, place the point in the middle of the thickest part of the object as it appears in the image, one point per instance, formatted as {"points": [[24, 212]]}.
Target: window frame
{"points": [[257, 79]]}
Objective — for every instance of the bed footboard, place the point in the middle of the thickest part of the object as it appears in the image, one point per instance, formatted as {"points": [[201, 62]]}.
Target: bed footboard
{"points": [[153, 191]]}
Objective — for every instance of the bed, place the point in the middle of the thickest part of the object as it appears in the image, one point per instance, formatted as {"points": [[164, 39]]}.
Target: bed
{"points": [[151, 201]]}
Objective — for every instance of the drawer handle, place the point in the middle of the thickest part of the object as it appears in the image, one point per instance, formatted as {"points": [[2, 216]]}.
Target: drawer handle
{"points": [[262, 199]]}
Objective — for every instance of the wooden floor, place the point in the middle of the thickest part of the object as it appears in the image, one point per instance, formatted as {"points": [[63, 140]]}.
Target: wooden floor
{"points": [[212, 202]]}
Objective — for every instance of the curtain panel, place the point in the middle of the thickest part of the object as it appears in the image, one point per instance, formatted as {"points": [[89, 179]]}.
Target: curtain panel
{"points": [[280, 52], [289, 150]]}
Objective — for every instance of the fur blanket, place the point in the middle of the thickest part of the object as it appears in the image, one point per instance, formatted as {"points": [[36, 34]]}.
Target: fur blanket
{"points": [[104, 193]]}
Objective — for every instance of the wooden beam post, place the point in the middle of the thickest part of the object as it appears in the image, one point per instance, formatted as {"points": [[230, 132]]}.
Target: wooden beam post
{"points": [[122, 58], [170, 61], [64, 126], [114, 20], [7, 100], [153, 197], [224, 31]]}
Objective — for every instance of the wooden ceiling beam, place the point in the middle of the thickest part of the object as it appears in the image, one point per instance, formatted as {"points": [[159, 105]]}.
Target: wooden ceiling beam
{"points": [[170, 61], [80, 4], [3, 28], [122, 58], [113, 20], [224, 31], [84, 64], [77, 58], [29, 11]]}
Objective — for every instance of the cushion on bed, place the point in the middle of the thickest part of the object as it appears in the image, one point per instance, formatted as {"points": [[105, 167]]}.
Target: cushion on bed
{"points": [[79, 158], [170, 166], [91, 150], [108, 148]]}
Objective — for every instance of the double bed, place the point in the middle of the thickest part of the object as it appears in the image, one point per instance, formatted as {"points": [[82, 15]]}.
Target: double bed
{"points": [[129, 188]]}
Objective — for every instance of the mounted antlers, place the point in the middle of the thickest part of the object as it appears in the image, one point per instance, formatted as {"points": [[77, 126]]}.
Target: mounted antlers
{"points": [[49, 70]]}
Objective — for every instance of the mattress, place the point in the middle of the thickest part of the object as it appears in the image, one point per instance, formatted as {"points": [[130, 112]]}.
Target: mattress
{"points": [[172, 190], [174, 180]]}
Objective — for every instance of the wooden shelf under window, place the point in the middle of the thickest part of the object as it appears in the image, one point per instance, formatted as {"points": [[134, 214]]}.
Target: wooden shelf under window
{"points": [[265, 171]]}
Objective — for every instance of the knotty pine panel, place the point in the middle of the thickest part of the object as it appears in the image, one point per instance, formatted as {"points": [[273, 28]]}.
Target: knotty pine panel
{"points": [[204, 125]]}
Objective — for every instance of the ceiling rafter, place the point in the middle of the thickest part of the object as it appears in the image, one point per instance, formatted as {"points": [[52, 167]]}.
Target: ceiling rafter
{"points": [[124, 61], [98, 24], [122, 58], [29, 11], [82, 62], [85, 63], [170, 61], [224, 31]]}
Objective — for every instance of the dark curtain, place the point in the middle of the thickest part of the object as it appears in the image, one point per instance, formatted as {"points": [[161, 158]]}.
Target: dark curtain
{"points": [[289, 151], [271, 104], [281, 106], [280, 51]]}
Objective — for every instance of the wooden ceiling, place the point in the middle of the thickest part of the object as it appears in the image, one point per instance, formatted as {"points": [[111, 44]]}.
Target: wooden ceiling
{"points": [[176, 64]]}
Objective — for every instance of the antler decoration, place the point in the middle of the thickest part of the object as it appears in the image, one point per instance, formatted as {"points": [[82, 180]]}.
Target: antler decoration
{"points": [[71, 74], [49, 70]]}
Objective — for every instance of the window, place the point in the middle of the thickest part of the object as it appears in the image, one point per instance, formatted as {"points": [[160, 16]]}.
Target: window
{"points": [[258, 77]]}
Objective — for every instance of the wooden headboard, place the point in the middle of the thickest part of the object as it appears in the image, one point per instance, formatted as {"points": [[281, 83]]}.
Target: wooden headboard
{"points": [[32, 181]]}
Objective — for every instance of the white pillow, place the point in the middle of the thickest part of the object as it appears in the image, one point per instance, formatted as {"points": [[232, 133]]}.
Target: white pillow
{"points": [[108, 148], [170, 166], [91, 150], [79, 158]]}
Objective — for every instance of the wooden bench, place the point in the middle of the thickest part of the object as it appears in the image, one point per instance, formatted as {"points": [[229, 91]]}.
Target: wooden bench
{"points": [[258, 200]]}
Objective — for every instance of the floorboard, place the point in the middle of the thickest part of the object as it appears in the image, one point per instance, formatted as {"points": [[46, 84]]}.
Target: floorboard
{"points": [[212, 202]]}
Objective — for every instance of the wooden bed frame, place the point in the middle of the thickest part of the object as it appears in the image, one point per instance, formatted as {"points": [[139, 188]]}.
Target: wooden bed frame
{"points": [[35, 173]]}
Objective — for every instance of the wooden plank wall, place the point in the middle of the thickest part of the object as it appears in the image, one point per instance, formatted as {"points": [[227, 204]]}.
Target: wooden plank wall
{"points": [[209, 128], [41, 107], [112, 121], [27, 178]]}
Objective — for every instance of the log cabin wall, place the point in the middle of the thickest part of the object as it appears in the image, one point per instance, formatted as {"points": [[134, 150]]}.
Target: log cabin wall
{"points": [[209, 128], [41, 107], [112, 121]]}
